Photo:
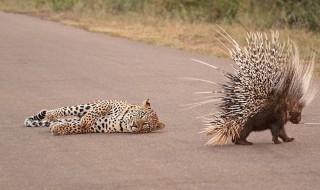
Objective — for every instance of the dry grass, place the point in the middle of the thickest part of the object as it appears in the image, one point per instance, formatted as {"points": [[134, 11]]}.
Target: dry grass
{"points": [[196, 37], [193, 37]]}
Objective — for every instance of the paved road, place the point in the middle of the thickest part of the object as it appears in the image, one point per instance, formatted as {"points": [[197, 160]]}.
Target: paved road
{"points": [[47, 65]]}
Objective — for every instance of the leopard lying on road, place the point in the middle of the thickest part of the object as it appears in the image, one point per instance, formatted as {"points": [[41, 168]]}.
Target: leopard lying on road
{"points": [[102, 116]]}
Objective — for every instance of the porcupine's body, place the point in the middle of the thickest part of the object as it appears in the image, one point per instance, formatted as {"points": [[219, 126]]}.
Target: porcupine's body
{"points": [[269, 88]]}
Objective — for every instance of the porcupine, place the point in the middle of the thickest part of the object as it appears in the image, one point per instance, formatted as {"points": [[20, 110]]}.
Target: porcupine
{"points": [[270, 87]]}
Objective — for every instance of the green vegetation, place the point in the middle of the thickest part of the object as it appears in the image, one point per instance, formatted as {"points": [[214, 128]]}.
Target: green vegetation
{"points": [[266, 14], [184, 24]]}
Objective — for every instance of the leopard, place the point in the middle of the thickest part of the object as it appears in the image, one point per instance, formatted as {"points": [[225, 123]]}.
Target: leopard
{"points": [[101, 116]]}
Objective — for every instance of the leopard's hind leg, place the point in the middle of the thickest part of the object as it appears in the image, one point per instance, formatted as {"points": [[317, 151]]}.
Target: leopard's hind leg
{"points": [[83, 125], [68, 126], [77, 110]]}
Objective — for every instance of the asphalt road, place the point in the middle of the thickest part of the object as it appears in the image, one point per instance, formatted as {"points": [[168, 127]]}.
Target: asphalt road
{"points": [[47, 65]]}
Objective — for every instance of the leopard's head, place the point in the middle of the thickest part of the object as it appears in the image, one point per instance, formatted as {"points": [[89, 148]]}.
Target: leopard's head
{"points": [[149, 121]]}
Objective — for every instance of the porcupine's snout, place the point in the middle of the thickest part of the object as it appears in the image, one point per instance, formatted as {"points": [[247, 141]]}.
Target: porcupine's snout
{"points": [[294, 111], [295, 117]]}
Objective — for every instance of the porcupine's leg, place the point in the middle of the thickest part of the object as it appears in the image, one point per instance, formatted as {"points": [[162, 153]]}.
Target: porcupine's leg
{"points": [[242, 140], [283, 135], [100, 109], [275, 130]]}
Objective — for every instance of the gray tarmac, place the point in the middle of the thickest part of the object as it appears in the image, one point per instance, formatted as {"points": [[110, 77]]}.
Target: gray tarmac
{"points": [[47, 65]]}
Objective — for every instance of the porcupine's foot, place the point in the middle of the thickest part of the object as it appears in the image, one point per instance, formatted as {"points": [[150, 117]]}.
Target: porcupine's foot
{"points": [[276, 141], [242, 139], [243, 142], [287, 139], [284, 137]]}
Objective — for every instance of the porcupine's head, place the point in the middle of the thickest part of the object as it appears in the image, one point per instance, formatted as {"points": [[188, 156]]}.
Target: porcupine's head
{"points": [[297, 80], [294, 109]]}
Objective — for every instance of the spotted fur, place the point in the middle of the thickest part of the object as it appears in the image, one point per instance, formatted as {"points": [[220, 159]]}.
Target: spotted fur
{"points": [[106, 116]]}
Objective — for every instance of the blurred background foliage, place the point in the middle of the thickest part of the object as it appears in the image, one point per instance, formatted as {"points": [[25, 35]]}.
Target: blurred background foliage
{"points": [[304, 14], [185, 24], [252, 13]]}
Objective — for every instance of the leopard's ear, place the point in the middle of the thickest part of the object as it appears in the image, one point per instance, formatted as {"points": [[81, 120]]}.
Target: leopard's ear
{"points": [[146, 103]]}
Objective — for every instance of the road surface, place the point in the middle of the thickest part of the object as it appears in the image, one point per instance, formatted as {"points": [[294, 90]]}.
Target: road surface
{"points": [[45, 64]]}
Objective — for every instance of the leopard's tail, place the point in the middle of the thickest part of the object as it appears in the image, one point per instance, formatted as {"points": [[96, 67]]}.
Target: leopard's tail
{"points": [[37, 120]]}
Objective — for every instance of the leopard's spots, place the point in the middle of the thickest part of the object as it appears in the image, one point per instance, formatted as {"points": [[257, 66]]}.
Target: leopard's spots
{"points": [[102, 116]]}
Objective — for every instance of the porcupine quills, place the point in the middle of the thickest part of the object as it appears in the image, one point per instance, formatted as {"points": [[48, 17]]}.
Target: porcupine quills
{"points": [[270, 86]]}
